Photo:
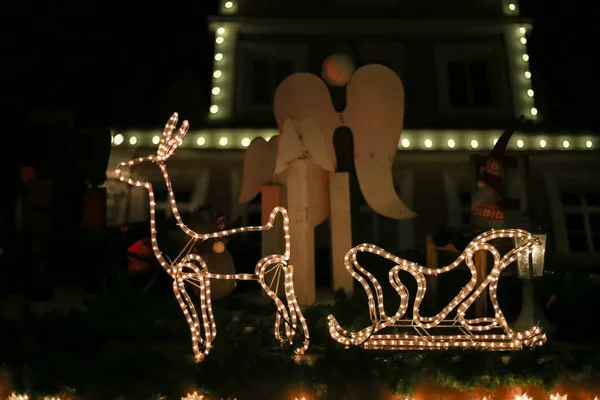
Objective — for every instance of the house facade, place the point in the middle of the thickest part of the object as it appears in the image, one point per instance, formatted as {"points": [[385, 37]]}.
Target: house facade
{"points": [[465, 68]]}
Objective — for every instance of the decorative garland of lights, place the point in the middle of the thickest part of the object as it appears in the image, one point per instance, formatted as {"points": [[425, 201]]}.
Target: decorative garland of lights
{"points": [[423, 340], [192, 269], [411, 140]]}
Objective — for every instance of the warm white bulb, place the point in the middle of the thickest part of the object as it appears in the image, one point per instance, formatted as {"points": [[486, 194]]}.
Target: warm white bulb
{"points": [[246, 142], [216, 90], [527, 75], [428, 143], [219, 40], [228, 4], [201, 141], [405, 143], [525, 57], [155, 139], [217, 74], [495, 141], [474, 144], [223, 141], [512, 7], [543, 144], [220, 31], [523, 40], [520, 143], [132, 140], [522, 30], [214, 109], [530, 92], [534, 111], [566, 144], [451, 143], [118, 139], [218, 56], [588, 144]]}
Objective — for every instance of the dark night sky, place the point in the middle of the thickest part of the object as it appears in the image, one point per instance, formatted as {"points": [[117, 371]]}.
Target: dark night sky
{"points": [[126, 67]]}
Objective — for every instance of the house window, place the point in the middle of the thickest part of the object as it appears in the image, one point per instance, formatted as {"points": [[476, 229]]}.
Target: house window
{"points": [[472, 79], [266, 76], [261, 68], [390, 54], [469, 84], [581, 210]]}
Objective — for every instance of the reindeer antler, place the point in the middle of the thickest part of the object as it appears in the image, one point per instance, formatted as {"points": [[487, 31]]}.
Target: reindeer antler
{"points": [[168, 142]]}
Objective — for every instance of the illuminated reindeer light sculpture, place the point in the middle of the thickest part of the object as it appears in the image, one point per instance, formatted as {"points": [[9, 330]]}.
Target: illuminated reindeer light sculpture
{"points": [[467, 333], [191, 268]]}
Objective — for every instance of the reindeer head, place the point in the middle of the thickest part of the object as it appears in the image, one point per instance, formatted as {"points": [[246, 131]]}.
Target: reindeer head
{"points": [[166, 148]]}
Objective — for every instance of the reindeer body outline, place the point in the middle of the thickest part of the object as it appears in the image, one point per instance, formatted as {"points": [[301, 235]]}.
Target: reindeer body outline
{"points": [[369, 337], [191, 268]]}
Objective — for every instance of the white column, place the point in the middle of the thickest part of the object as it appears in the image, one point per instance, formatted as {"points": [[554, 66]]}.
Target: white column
{"points": [[301, 230], [341, 229]]}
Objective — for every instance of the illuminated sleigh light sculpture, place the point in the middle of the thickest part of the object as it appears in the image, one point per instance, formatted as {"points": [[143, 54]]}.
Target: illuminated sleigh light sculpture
{"points": [[191, 268], [480, 333]]}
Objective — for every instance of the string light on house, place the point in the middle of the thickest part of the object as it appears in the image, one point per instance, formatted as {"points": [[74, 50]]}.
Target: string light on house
{"points": [[589, 144], [428, 143], [223, 142], [471, 333], [520, 143], [566, 144], [192, 269], [201, 141], [245, 142], [451, 143], [405, 143], [118, 139], [530, 92], [474, 144], [155, 139], [543, 143]]}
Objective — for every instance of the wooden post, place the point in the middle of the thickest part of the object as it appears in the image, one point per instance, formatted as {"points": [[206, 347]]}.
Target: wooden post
{"points": [[481, 303], [431, 261], [341, 229], [301, 230]]}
